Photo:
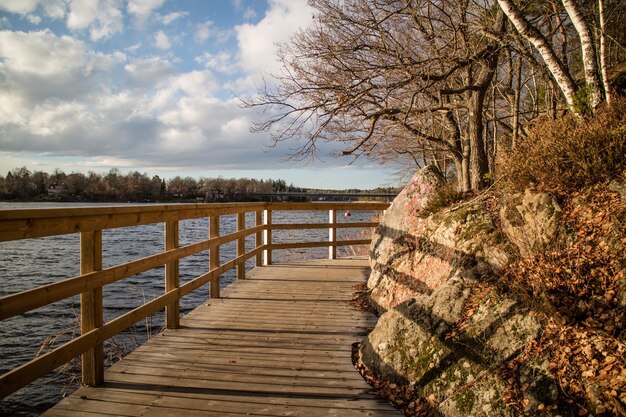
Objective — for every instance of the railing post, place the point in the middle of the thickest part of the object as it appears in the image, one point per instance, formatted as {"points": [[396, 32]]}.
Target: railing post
{"points": [[214, 254], [332, 234], [91, 307], [258, 220], [267, 237], [172, 276], [241, 245]]}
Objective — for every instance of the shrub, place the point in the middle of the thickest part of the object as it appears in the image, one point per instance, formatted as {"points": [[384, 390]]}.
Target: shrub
{"points": [[569, 153], [443, 197]]}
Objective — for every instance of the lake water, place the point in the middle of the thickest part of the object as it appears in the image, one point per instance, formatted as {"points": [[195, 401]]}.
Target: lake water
{"points": [[25, 264]]}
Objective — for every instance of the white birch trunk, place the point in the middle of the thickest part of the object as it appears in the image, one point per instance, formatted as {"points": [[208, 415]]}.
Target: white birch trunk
{"points": [[605, 78], [539, 41], [590, 60]]}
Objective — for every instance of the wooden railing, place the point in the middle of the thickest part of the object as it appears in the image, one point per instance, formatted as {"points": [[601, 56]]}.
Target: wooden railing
{"points": [[90, 222]]}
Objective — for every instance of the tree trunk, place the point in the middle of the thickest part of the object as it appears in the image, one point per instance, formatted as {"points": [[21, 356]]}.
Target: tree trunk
{"points": [[590, 60], [605, 78], [465, 183], [562, 77], [479, 165], [516, 100], [561, 27]]}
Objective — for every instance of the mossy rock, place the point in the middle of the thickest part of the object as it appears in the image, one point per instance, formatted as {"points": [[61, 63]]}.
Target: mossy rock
{"points": [[481, 399]]}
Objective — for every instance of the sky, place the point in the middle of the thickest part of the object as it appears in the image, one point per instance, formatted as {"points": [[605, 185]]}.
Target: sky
{"points": [[152, 86]]}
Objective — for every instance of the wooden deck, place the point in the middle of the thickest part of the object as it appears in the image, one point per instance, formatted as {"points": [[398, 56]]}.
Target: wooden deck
{"points": [[276, 344]]}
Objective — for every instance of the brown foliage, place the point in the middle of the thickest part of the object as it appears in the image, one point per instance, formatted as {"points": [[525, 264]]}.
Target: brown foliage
{"points": [[576, 287], [569, 153]]}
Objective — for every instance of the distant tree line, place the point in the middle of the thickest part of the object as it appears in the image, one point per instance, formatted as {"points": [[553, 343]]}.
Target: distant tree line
{"points": [[22, 184]]}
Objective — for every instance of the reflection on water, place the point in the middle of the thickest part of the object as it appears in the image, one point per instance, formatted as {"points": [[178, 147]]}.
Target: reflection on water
{"points": [[26, 264]]}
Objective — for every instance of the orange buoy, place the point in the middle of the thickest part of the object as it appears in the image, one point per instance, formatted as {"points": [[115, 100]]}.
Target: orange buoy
{"points": [[347, 213]]}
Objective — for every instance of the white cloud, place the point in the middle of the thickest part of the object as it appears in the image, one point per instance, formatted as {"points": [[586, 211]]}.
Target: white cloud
{"points": [[183, 140], [249, 13], [236, 128], [54, 118], [171, 17], [151, 71], [208, 30], [222, 62], [162, 41], [103, 18], [195, 83], [33, 18], [39, 66], [99, 62], [41, 53], [59, 97], [133, 48], [52, 8], [257, 42], [19, 6], [142, 9], [203, 31]]}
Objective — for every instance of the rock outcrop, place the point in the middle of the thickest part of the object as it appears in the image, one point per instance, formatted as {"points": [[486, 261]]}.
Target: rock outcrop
{"points": [[414, 254], [434, 332], [530, 221]]}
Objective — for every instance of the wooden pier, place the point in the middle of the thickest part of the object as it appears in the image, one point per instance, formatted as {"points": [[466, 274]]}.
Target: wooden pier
{"points": [[275, 344]]}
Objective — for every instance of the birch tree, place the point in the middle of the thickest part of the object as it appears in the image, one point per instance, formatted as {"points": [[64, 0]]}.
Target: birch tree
{"points": [[559, 71], [594, 90], [603, 63], [589, 56]]}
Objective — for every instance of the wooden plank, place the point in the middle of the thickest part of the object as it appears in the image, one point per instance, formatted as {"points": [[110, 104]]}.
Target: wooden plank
{"points": [[332, 234], [258, 221], [214, 402], [172, 275], [277, 246], [214, 255], [91, 308], [267, 236], [374, 206], [28, 372], [306, 226], [24, 301], [24, 224], [233, 357], [241, 245], [207, 209]]}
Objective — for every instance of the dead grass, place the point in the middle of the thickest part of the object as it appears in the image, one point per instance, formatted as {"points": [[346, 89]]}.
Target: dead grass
{"points": [[569, 153]]}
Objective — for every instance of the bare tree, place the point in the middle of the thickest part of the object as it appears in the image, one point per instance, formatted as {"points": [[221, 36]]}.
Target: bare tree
{"points": [[378, 75]]}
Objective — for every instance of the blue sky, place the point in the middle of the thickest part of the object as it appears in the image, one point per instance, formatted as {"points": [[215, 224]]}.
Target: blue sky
{"points": [[151, 85]]}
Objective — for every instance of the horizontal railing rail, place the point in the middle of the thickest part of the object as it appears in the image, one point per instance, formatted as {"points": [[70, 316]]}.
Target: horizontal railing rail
{"points": [[89, 222]]}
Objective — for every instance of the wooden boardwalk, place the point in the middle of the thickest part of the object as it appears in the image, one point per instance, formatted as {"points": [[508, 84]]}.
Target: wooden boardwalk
{"points": [[276, 344]]}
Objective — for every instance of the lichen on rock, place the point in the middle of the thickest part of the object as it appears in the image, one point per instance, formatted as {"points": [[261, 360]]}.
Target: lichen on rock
{"points": [[426, 271], [530, 221], [412, 254]]}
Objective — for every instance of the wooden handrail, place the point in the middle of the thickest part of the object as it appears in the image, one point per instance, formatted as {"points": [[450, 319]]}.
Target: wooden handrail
{"points": [[90, 221], [14, 304]]}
